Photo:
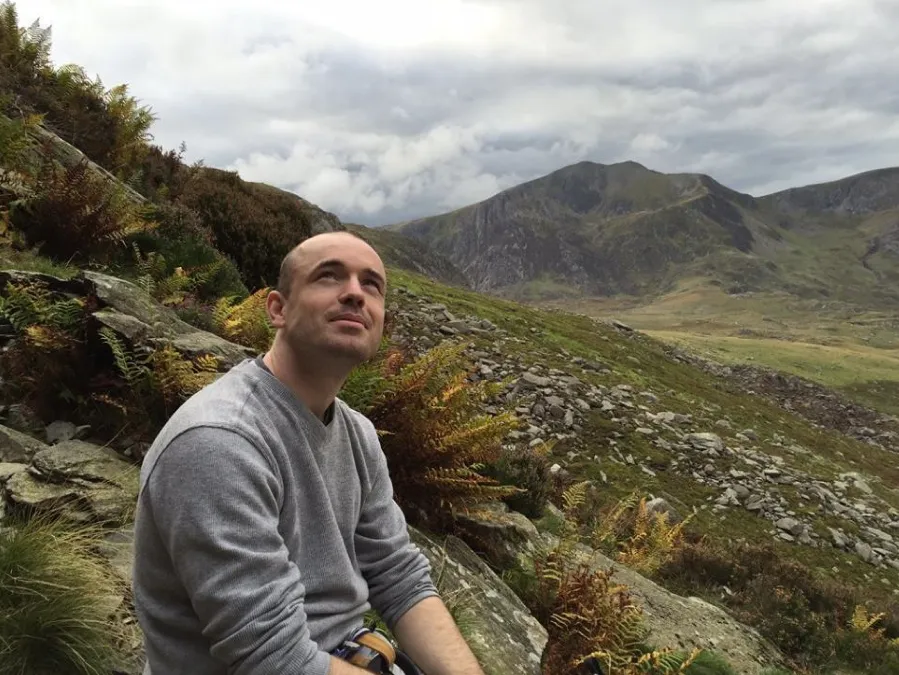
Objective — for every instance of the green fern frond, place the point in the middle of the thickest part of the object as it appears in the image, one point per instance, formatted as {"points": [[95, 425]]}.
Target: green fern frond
{"points": [[132, 367], [66, 314], [25, 305]]}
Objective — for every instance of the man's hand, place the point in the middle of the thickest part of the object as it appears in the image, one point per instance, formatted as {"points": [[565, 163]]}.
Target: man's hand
{"points": [[340, 667], [428, 634]]}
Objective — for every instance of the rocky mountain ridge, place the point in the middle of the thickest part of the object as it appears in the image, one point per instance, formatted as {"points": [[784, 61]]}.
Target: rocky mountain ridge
{"points": [[594, 229], [863, 193]]}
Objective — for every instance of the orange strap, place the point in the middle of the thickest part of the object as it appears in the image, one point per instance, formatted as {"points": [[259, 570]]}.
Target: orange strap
{"points": [[379, 644]]}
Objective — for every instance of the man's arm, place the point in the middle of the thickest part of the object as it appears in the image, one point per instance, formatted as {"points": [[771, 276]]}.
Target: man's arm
{"points": [[397, 573], [339, 667], [401, 588], [428, 634], [214, 498]]}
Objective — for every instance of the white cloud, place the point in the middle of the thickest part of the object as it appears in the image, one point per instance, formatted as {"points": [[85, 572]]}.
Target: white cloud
{"points": [[390, 110], [644, 143]]}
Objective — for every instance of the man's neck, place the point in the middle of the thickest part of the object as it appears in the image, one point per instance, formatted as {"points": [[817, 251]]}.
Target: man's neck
{"points": [[315, 388]]}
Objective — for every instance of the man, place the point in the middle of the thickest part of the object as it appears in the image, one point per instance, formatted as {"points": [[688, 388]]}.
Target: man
{"points": [[265, 525]]}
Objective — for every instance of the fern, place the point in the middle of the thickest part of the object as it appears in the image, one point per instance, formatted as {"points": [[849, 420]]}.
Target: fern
{"points": [[24, 304], [645, 544], [132, 366], [595, 619], [367, 381], [76, 213], [32, 303], [436, 437], [175, 378], [153, 384], [245, 322], [592, 618], [586, 615]]}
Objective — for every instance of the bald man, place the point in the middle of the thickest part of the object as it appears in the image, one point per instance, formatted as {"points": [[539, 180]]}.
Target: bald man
{"points": [[265, 524]]}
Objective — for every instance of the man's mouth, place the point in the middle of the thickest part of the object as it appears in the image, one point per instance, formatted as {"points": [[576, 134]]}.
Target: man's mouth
{"points": [[354, 318]]}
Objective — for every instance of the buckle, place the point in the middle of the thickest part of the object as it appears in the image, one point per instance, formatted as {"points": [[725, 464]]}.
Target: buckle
{"points": [[368, 649]]}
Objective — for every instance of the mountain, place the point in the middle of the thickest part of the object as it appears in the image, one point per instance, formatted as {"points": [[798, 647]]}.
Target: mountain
{"points": [[603, 229], [593, 229], [410, 254], [863, 193]]}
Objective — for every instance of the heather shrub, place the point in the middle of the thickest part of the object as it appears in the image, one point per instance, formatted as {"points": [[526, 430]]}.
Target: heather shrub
{"points": [[809, 618], [252, 226], [76, 214], [528, 469]]}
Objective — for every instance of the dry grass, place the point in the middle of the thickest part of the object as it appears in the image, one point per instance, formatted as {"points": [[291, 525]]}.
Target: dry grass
{"points": [[56, 602]]}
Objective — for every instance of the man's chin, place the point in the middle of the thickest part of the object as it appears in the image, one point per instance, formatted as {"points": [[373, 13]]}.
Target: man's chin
{"points": [[350, 350]]}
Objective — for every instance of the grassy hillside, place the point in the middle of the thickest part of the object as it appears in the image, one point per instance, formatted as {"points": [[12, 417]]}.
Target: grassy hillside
{"points": [[559, 341], [839, 344]]}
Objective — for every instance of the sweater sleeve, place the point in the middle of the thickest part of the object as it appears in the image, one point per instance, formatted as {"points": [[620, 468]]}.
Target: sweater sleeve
{"points": [[397, 572], [215, 500]]}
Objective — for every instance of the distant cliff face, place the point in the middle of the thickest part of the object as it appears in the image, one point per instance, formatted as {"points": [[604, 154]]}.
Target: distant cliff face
{"points": [[624, 229], [602, 229], [409, 254]]}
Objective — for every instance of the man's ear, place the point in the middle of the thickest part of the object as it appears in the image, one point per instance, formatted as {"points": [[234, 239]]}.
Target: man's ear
{"points": [[274, 306]]}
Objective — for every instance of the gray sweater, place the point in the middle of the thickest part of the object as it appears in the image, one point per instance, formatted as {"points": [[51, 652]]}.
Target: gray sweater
{"points": [[262, 534]]}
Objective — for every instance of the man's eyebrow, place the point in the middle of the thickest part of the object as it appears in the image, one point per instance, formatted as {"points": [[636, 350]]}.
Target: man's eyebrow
{"points": [[377, 275]]}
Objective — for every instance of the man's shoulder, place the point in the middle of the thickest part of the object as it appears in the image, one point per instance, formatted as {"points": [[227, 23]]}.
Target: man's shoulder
{"points": [[223, 406]]}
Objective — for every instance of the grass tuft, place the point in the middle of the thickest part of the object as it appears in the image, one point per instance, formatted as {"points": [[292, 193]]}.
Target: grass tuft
{"points": [[57, 597]]}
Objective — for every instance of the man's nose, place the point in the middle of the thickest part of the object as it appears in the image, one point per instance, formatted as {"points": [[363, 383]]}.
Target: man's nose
{"points": [[352, 291]]}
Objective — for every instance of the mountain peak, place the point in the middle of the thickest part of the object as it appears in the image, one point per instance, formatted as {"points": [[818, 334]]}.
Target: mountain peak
{"points": [[861, 193]]}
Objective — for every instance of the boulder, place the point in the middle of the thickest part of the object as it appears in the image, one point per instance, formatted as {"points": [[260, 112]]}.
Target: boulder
{"points": [[687, 622], [82, 481], [500, 535], [132, 313], [17, 447], [673, 620], [135, 314], [502, 633], [706, 441]]}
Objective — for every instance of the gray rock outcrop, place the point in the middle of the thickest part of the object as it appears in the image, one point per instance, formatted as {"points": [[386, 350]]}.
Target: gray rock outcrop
{"points": [[83, 482]]}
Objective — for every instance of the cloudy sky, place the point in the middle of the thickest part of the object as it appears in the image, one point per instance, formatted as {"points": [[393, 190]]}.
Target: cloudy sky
{"points": [[388, 110]]}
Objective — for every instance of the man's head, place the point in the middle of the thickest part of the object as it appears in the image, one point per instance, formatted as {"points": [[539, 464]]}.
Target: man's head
{"points": [[329, 301]]}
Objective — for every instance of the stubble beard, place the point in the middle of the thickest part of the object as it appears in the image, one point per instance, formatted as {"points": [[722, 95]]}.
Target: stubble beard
{"points": [[343, 351]]}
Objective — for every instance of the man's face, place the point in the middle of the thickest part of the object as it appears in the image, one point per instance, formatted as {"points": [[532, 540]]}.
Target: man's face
{"points": [[336, 304]]}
